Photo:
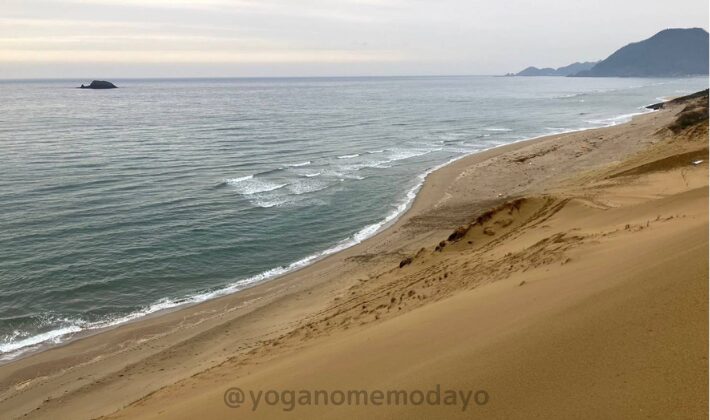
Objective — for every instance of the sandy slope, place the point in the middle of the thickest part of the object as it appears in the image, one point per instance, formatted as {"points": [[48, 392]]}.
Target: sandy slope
{"points": [[576, 286]]}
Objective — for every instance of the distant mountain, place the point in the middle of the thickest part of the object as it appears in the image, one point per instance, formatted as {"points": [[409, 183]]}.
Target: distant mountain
{"points": [[534, 71], [575, 68], [672, 52], [561, 71]]}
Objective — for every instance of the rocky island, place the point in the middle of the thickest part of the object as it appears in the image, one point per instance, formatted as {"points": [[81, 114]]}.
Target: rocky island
{"points": [[99, 84]]}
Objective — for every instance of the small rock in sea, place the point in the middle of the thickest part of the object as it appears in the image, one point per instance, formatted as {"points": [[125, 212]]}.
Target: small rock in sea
{"points": [[99, 84]]}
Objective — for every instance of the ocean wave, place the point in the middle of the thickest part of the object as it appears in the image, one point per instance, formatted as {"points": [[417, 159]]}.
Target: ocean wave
{"points": [[402, 154], [393, 156], [498, 129], [570, 95], [341, 172], [448, 137], [352, 176], [249, 185], [270, 171], [345, 170], [269, 202], [619, 119], [237, 180], [307, 186], [296, 165], [349, 156], [53, 336]]}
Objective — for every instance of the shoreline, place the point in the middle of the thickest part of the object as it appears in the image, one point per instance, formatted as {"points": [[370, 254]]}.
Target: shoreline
{"points": [[241, 334], [276, 273], [572, 296]]}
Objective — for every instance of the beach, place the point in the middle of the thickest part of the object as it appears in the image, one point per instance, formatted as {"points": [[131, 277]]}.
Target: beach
{"points": [[564, 276]]}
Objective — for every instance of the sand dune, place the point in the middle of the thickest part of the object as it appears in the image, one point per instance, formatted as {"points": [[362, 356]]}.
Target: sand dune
{"points": [[564, 277]]}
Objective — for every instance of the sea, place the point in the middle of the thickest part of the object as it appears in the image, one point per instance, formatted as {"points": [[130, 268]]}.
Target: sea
{"points": [[116, 204]]}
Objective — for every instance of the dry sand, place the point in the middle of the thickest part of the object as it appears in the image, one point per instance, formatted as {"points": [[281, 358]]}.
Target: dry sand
{"points": [[577, 286]]}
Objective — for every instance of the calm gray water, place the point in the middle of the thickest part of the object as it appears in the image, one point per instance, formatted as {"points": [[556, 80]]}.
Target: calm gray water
{"points": [[115, 204]]}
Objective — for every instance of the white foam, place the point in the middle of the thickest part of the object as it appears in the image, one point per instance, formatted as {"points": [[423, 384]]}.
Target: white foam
{"points": [[296, 165], [249, 185], [568, 95], [53, 336], [267, 204], [349, 156], [402, 154], [344, 169], [498, 129], [393, 155], [233, 181], [307, 186], [619, 119]]}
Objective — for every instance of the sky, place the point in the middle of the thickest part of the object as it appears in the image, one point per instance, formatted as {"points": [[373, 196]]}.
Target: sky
{"points": [[268, 38]]}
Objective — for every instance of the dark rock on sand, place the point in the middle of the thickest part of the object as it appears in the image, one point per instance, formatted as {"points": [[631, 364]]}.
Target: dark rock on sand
{"points": [[405, 261], [459, 233], [680, 100]]}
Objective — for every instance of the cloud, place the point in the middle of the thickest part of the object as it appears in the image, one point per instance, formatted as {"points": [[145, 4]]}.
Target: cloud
{"points": [[443, 36], [162, 56]]}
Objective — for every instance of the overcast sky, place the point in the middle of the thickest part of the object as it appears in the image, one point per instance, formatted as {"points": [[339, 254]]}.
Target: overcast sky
{"points": [[178, 38]]}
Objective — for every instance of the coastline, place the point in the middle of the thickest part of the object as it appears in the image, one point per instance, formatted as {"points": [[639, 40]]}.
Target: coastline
{"points": [[275, 273], [265, 310], [49, 340]]}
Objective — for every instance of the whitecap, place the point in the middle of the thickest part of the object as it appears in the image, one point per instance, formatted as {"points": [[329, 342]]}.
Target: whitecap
{"points": [[296, 165], [307, 186], [250, 185], [237, 180], [402, 154], [344, 169]]}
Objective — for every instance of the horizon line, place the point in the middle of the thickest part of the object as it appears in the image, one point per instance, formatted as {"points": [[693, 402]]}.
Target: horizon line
{"points": [[248, 77]]}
